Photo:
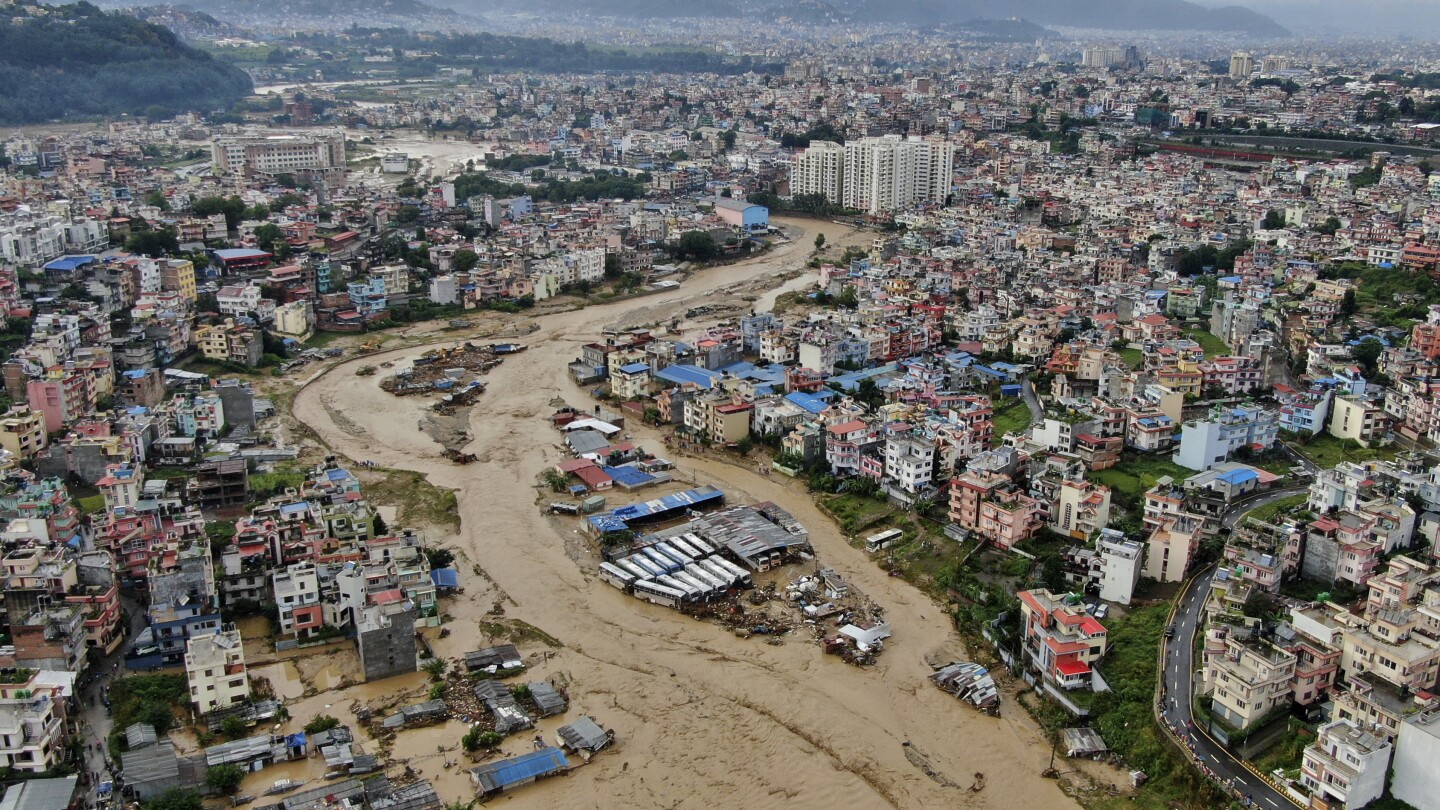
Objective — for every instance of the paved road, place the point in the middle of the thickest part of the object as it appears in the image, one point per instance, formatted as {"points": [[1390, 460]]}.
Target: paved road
{"points": [[96, 721], [1178, 675]]}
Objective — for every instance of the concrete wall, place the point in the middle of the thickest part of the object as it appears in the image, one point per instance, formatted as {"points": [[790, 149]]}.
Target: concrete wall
{"points": [[388, 649]]}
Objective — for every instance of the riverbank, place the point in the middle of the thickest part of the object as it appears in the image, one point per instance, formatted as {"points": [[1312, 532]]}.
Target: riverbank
{"points": [[698, 712]]}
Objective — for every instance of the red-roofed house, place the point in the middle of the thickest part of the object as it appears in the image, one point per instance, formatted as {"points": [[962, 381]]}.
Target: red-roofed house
{"points": [[1062, 641]]}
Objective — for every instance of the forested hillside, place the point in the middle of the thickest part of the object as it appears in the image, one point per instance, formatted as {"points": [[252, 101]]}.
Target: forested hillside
{"points": [[77, 61]]}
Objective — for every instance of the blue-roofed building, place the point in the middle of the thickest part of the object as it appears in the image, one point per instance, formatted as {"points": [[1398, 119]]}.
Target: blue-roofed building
{"points": [[851, 380], [631, 380], [812, 403], [693, 375], [659, 509], [70, 264], [507, 774]]}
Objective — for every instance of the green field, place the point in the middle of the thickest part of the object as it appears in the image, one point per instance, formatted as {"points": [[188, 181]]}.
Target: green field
{"points": [[1327, 451], [1137, 473], [1013, 416], [1134, 358], [1212, 345]]}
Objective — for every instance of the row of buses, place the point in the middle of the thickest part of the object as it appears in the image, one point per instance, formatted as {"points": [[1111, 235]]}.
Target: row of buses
{"points": [[676, 571]]}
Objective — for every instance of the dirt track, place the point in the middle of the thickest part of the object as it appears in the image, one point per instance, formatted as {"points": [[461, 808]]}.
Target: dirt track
{"points": [[703, 719]]}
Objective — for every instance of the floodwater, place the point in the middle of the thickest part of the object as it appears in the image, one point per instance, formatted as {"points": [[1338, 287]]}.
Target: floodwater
{"points": [[701, 717]]}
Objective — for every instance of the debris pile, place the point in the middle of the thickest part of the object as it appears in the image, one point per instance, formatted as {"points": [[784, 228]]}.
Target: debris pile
{"points": [[971, 683], [442, 370]]}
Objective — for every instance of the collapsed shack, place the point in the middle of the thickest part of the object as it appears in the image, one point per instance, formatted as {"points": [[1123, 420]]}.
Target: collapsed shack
{"points": [[419, 714], [501, 660], [1083, 742], [971, 683], [502, 705]]}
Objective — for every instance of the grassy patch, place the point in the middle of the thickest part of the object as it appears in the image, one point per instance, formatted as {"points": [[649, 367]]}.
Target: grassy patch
{"points": [[1327, 451], [1272, 511], [518, 632], [1134, 358], [151, 699], [855, 512], [91, 505], [1014, 416], [1137, 473], [1286, 751], [419, 502], [1212, 345]]}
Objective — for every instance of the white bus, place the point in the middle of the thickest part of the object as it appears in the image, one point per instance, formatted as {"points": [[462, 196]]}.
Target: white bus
{"points": [[706, 575], [741, 575], [617, 576], [882, 540], [657, 594], [725, 575], [685, 548], [649, 566], [700, 545], [675, 553], [705, 588]]}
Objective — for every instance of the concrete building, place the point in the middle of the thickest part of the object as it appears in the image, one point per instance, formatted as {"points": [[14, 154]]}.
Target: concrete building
{"points": [[1120, 565], [1357, 418], [890, 173], [316, 155], [215, 667], [819, 169], [1417, 749], [385, 635], [1171, 546], [1346, 767], [1062, 641], [1205, 443], [1242, 65], [1251, 680]]}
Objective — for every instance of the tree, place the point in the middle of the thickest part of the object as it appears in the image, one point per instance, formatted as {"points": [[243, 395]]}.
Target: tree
{"points": [[225, 778], [176, 799], [613, 267], [1367, 354], [233, 727], [819, 241], [435, 668], [323, 722], [158, 199], [439, 557], [868, 393], [267, 235], [1273, 221], [698, 245], [464, 260], [728, 139], [154, 244]]}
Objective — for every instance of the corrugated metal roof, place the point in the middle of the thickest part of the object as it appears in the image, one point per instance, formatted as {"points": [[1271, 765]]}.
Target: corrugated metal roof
{"points": [[507, 773]]}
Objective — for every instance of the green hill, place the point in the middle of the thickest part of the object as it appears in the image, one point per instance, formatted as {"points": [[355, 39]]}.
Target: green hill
{"points": [[77, 61]]}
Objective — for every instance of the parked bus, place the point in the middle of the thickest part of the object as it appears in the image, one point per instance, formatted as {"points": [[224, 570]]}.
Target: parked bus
{"points": [[706, 589], [635, 571], [700, 545], [675, 553], [657, 594], [691, 592], [616, 576], [660, 559], [651, 568], [742, 577], [705, 575], [719, 571], [882, 540], [684, 547]]}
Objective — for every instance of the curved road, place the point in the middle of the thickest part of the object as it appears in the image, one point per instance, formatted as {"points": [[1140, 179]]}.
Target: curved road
{"points": [[1178, 675]]}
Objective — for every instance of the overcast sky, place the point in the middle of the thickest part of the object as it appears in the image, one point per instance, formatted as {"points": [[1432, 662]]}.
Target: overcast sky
{"points": [[1389, 16]]}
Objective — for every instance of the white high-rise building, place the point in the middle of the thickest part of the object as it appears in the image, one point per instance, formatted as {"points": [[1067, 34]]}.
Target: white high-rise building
{"points": [[1242, 65], [820, 169], [890, 173]]}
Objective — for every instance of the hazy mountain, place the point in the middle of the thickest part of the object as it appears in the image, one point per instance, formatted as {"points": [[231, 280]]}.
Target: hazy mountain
{"points": [[1109, 14]]}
